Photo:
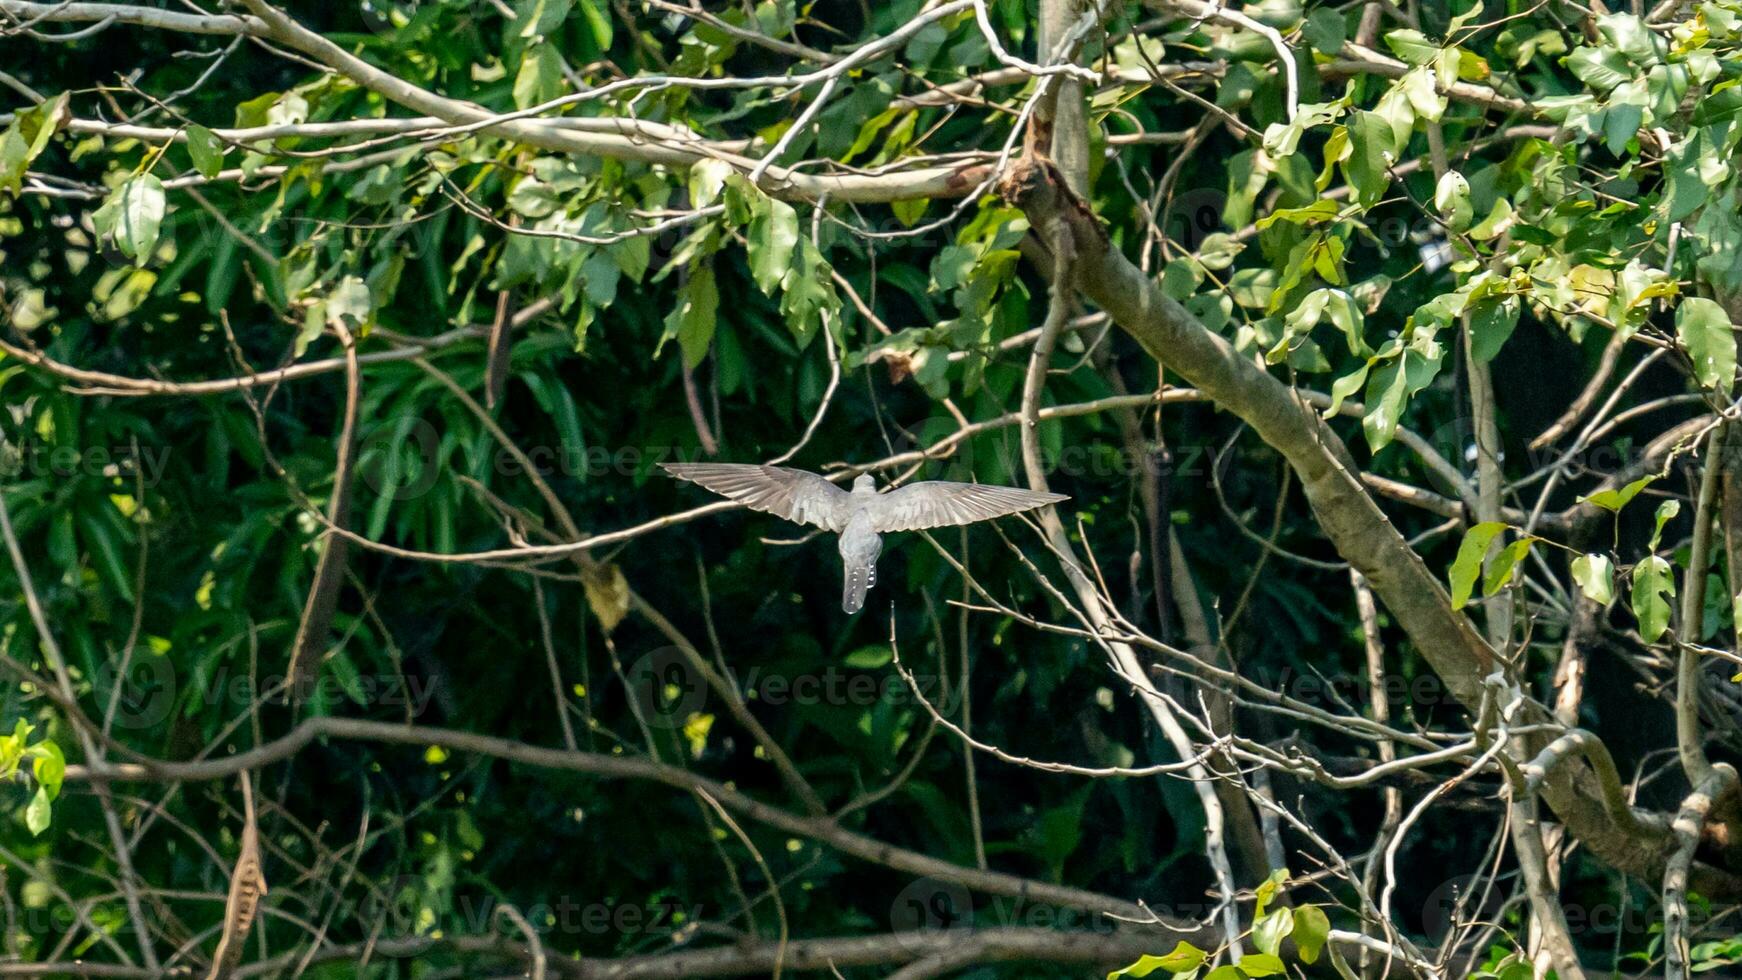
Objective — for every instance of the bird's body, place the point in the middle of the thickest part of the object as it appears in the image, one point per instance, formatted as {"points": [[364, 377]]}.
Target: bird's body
{"points": [[860, 546], [862, 515]]}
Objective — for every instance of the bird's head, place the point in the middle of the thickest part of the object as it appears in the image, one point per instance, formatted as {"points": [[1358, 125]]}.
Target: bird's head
{"points": [[864, 482]]}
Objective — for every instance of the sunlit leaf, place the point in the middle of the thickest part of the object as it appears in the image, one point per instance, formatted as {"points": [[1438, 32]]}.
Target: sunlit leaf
{"points": [[1312, 929], [1468, 564], [1595, 575], [1614, 500], [206, 150], [1653, 587], [1705, 331], [1184, 959]]}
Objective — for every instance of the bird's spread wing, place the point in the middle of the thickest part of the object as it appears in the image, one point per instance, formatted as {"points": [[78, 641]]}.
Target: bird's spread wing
{"points": [[798, 496], [939, 504]]}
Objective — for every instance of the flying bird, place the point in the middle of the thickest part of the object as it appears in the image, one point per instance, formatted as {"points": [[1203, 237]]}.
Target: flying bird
{"points": [[861, 515]]}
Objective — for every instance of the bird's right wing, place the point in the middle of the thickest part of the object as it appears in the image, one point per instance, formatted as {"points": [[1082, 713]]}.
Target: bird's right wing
{"points": [[939, 504], [797, 495]]}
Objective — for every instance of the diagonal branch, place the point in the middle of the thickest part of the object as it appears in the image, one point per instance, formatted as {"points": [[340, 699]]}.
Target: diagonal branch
{"points": [[821, 829], [1348, 515]]}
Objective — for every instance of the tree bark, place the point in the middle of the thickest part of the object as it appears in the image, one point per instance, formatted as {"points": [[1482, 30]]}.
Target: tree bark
{"points": [[1352, 521]]}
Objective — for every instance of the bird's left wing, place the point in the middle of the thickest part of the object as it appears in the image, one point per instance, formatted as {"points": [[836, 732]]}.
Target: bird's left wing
{"points": [[939, 504], [798, 496]]}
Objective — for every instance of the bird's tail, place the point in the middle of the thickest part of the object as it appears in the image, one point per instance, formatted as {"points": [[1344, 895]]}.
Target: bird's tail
{"points": [[861, 575]]}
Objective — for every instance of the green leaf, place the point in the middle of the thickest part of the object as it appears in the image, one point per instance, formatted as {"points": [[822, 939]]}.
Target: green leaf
{"points": [[1686, 168], [1666, 512], [1412, 46], [1265, 893], [1269, 932], [869, 658], [541, 17], [37, 815], [1325, 31], [1419, 87], [1261, 965], [1614, 500], [1185, 958], [14, 159], [540, 78], [1599, 68], [1501, 568], [1312, 929], [1498, 220], [1718, 106], [1452, 199], [1316, 213], [1370, 143], [49, 767], [1229, 972], [1595, 575], [133, 216], [1709, 338], [206, 150], [1653, 587], [1345, 386], [1468, 564], [909, 211], [598, 18], [350, 304], [1628, 34], [1391, 386], [773, 234], [1340, 307], [692, 322], [41, 121], [1620, 122], [27, 137], [1492, 321], [1180, 278], [533, 198], [807, 293], [707, 178]]}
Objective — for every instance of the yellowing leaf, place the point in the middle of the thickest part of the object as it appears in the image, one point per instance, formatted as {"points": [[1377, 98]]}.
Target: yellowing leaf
{"points": [[1311, 931], [1185, 958], [695, 730], [1261, 965], [607, 594]]}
